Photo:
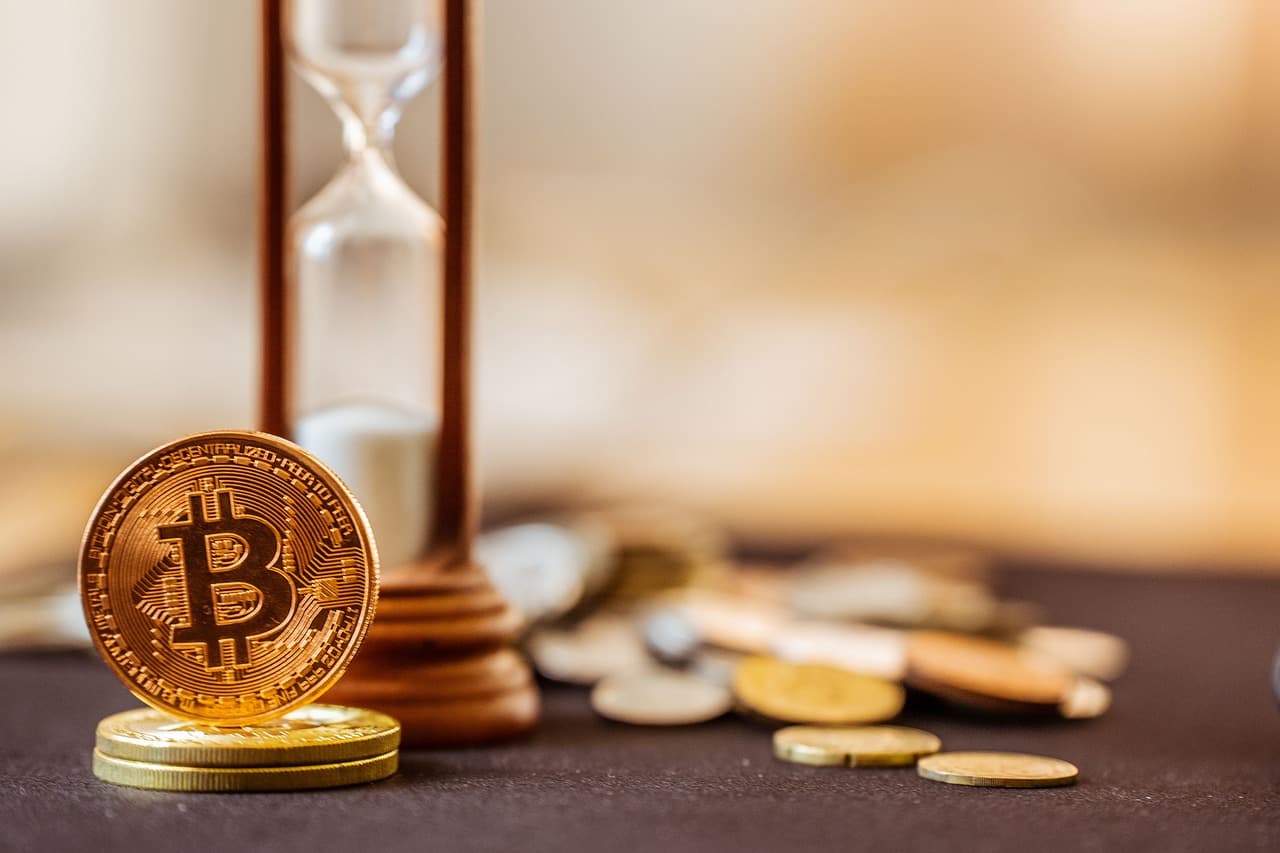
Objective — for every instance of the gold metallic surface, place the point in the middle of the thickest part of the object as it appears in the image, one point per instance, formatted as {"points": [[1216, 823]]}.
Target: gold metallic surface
{"points": [[167, 777], [228, 577], [853, 746], [814, 693], [313, 734], [997, 770]]}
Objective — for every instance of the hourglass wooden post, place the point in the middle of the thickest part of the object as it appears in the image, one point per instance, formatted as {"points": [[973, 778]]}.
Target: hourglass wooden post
{"points": [[438, 655]]}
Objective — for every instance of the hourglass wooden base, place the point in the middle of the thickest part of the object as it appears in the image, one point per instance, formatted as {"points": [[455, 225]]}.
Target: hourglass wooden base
{"points": [[437, 659]]}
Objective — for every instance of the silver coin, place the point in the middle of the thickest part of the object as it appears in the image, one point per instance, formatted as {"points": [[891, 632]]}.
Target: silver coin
{"points": [[881, 652], [1087, 699], [539, 568], [602, 645], [1087, 652], [659, 698]]}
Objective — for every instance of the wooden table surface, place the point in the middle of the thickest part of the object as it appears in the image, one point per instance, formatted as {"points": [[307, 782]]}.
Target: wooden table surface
{"points": [[1188, 759]]}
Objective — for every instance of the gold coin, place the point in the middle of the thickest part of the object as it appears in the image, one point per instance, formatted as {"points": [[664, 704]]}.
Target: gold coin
{"points": [[976, 665], [853, 746], [228, 577], [313, 734], [168, 777], [997, 769], [814, 693]]}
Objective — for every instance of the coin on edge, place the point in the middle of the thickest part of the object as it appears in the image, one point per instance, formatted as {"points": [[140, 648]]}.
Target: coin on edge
{"points": [[169, 777], [997, 769], [854, 746], [313, 734], [228, 577], [814, 693], [657, 698]]}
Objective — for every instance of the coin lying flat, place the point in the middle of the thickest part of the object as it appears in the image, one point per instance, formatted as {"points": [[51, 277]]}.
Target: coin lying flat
{"points": [[881, 652], [601, 645], [1094, 653], [169, 777], [228, 577], [656, 698], [854, 746], [985, 668], [1086, 700], [814, 693], [314, 734], [997, 769]]}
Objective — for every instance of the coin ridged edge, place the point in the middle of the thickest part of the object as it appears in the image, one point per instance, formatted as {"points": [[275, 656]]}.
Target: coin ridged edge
{"points": [[121, 745], [164, 777]]}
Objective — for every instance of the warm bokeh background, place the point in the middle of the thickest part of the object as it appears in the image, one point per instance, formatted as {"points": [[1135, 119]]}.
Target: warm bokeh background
{"points": [[1002, 271]]}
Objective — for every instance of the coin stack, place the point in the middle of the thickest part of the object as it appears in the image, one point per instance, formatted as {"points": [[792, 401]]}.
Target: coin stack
{"points": [[228, 578], [835, 645]]}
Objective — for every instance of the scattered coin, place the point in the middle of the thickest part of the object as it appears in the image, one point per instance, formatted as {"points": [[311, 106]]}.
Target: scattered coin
{"points": [[997, 770], [658, 698], [313, 734], [858, 648], [228, 577], [540, 568], [169, 777], [854, 746], [984, 667], [814, 693], [1087, 699], [726, 621], [1095, 653], [715, 665], [601, 645]]}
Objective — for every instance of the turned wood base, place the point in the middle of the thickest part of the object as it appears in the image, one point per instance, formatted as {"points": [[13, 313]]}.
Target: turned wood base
{"points": [[437, 658]]}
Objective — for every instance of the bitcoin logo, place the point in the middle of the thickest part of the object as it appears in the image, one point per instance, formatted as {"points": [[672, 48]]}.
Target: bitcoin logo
{"points": [[228, 577], [224, 615]]}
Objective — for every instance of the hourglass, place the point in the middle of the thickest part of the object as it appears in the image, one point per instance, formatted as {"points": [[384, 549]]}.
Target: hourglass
{"points": [[366, 356]]}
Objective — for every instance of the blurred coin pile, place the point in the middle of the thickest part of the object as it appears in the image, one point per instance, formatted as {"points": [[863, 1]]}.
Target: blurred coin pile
{"points": [[646, 607]]}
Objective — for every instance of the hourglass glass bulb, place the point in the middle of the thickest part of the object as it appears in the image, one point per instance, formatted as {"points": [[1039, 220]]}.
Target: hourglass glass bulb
{"points": [[365, 269], [367, 58]]}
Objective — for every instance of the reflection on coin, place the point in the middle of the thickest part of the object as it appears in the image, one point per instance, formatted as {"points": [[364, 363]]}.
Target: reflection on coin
{"points": [[1087, 699], [228, 577], [657, 698], [599, 646], [169, 777], [313, 734], [1095, 653], [813, 693], [853, 746], [984, 667], [997, 769], [858, 648]]}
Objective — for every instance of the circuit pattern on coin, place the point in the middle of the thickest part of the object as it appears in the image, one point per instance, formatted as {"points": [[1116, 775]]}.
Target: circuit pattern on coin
{"points": [[228, 577]]}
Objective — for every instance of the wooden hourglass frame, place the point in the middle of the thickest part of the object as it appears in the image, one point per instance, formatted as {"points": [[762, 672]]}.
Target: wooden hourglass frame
{"points": [[438, 655]]}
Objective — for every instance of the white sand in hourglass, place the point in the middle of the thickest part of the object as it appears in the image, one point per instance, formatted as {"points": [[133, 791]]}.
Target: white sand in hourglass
{"points": [[386, 454]]}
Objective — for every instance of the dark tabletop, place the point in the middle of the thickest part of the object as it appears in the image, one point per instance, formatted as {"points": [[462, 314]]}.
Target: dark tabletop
{"points": [[1188, 759]]}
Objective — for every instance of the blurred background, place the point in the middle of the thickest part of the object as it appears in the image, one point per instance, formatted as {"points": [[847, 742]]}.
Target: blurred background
{"points": [[995, 272]]}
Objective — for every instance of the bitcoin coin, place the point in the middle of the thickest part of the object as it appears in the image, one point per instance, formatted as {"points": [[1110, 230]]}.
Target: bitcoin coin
{"points": [[853, 746], [985, 668], [656, 698], [170, 777], [814, 693], [313, 734], [228, 577], [997, 769]]}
